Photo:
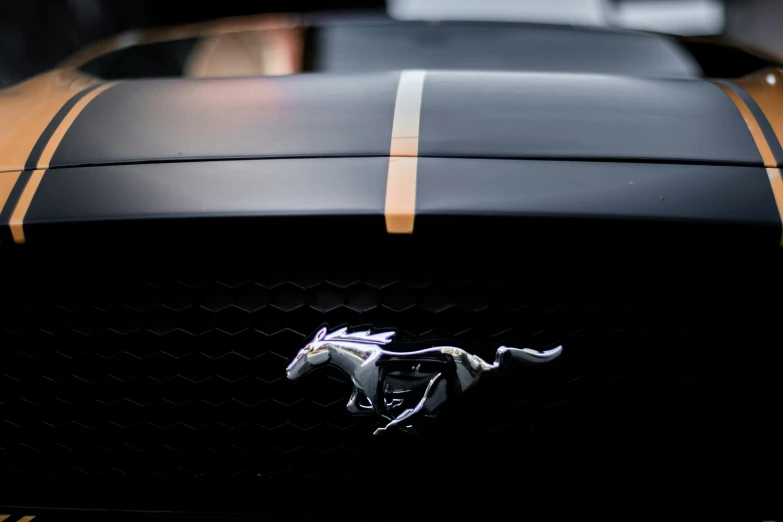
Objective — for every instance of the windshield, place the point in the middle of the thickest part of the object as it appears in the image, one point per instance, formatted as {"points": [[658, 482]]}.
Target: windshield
{"points": [[576, 36], [497, 46]]}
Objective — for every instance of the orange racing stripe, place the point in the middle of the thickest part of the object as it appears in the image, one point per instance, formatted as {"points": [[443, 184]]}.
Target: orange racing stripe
{"points": [[27, 109], [57, 136], [17, 218], [7, 182], [765, 150], [20, 195], [753, 126], [766, 88], [400, 206]]}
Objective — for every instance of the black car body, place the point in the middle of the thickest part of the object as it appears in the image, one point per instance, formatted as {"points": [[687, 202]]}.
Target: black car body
{"points": [[169, 243]]}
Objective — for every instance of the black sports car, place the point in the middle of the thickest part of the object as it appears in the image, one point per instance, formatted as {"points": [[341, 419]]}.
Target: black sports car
{"points": [[451, 198]]}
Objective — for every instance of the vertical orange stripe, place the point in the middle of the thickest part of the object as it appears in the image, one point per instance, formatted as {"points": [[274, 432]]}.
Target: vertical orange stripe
{"points": [[28, 108], [400, 206], [7, 182], [766, 88], [776, 181], [3, 517], [28, 518], [401, 195], [54, 141], [17, 218], [407, 113], [773, 173], [753, 126], [16, 223]]}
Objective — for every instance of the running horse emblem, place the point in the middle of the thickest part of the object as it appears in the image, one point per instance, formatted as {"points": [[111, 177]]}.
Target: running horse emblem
{"points": [[403, 387]]}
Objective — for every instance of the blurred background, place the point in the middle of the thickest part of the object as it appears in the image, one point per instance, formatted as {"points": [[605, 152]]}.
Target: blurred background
{"points": [[36, 35]]}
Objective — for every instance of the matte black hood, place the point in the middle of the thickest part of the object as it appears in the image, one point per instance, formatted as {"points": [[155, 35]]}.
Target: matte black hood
{"points": [[463, 114]]}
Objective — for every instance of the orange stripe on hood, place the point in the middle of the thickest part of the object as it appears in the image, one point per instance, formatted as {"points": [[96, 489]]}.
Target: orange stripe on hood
{"points": [[27, 109]]}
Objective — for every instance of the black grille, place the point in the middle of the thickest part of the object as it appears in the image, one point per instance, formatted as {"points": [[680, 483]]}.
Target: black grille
{"points": [[184, 380]]}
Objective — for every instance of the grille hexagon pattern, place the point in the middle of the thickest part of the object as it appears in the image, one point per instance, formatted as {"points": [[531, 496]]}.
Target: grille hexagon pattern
{"points": [[186, 379]]}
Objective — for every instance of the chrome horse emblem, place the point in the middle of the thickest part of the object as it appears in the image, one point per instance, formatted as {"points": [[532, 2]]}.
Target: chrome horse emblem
{"points": [[403, 387]]}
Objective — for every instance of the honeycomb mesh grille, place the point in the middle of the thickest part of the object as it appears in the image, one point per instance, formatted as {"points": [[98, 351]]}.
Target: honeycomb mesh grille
{"points": [[186, 379]]}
